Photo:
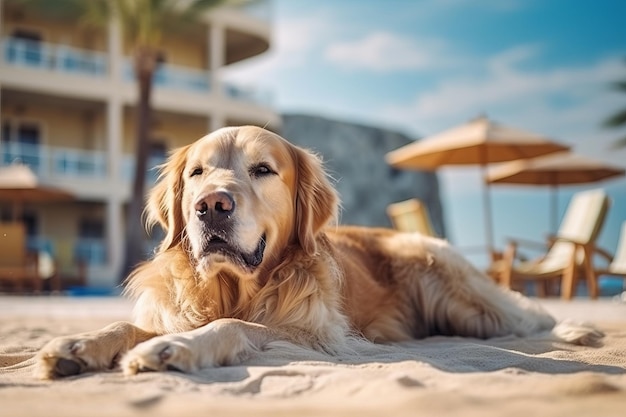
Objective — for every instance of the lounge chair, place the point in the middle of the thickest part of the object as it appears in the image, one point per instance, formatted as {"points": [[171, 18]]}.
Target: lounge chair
{"points": [[617, 263], [570, 252], [72, 272], [18, 267], [410, 216]]}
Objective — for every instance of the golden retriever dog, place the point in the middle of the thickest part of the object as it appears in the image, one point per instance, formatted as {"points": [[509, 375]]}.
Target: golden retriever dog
{"points": [[252, 255]]}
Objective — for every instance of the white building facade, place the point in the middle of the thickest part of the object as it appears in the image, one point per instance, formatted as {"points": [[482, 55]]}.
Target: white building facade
{"points": [[67, 104]]}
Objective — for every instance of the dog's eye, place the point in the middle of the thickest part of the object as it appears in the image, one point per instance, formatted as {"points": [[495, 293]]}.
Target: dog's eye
{"points": [[260, 170], [196, 171]]}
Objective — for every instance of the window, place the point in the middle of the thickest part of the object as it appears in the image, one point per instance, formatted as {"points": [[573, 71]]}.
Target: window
{"points": [[91, 229], [25, 48], [158, 149], [28, 133], [32, 224], [26, 35], [90, 247], [20, 143]]}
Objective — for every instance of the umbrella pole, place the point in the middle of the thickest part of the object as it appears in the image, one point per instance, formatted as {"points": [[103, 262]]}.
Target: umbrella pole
{"points": [[487, 213], [554, 208]]}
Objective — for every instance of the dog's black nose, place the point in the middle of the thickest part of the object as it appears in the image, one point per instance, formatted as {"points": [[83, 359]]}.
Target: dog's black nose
{"points": [[215, 206]]}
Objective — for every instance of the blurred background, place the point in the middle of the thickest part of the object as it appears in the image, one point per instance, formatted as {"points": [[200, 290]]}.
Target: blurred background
{"points": [[351, 79]]}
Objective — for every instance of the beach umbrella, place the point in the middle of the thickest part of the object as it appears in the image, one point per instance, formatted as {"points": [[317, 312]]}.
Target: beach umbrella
{"points": [[477, 142], [562, 168], [19, 185]]}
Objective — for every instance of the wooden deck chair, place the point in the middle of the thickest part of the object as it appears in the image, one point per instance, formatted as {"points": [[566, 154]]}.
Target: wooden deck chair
{"points": [[72, 272], [617, 263], [17, 267], [410, 216], [570, 251]]}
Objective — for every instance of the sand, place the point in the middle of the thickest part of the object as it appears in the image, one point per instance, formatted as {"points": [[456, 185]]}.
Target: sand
{"points": [[439, 376]]}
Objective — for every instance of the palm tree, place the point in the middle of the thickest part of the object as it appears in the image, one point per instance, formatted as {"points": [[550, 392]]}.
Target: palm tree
{"points": [[618, 119], [143, 23]]}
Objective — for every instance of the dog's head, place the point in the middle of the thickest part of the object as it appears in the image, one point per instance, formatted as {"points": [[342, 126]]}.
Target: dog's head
{"points": [[236, 198]]}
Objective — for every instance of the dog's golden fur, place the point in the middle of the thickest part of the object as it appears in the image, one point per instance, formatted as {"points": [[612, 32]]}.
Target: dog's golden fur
{"points": [[251, 255]]}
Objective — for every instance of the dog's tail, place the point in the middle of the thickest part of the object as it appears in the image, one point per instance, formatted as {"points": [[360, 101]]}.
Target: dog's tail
{"points": [[583, 334]]}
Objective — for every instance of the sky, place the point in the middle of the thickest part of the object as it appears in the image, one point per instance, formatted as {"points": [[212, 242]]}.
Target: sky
{"points": [[422, 66]]}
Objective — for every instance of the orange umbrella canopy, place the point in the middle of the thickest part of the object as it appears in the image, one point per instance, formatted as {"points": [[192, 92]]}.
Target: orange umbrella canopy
{"points": [[477, 142], [19, 185], [554, 169], [480, 141]]}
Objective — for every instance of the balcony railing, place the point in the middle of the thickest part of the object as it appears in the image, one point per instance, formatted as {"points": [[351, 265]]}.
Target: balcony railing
{"points": [[47, 160], [66, 252], [54, 57], [91, 251], [65, 59], [77, 162], [23, 153], [249, 94], [174, 77], [71, 162], [152, 173]]}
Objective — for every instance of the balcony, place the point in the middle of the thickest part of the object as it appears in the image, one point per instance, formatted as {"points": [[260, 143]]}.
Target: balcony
{"points": [[70, 252], [51, 57], [51, 161], [174, 77], [91, 251], [179, 78], [68, 60]]}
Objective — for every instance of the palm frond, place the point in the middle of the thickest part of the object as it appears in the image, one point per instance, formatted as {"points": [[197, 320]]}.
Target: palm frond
{"points": [[618, 86], [193, 11], [201, 6], [184, 13], [96, 13], [616, 120], [136, 19], [143, 22], [59, 8]]}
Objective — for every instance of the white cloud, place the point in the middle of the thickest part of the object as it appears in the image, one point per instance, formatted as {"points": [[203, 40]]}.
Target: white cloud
{"points": [[522, 99], [293, 41], [504, 62], [385, 51], [507, 87]]}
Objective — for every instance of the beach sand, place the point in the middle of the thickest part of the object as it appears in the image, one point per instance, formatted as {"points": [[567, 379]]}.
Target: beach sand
{"points": [[440, 376]]}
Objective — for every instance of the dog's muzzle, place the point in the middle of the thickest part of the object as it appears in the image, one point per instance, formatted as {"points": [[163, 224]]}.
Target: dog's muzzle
{"points": [[216, 214]]}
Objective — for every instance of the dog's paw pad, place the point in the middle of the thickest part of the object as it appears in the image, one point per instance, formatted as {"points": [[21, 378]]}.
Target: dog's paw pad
{"points": [[66, 367], [62, 357]]}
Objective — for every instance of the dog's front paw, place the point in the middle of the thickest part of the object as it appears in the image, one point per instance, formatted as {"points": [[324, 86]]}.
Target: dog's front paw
{"points": [[67, 356], [159, 354]]}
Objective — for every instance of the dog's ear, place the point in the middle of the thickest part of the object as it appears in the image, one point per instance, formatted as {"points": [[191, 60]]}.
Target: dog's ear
{"points": [[164, 206], [316, 199]]}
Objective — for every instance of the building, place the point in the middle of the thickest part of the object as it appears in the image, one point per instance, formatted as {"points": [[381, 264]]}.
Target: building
{"points": [[367, 184], [67, 97]]}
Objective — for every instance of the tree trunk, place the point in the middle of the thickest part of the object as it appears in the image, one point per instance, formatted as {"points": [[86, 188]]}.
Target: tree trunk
{"points": [[145, 66]]}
